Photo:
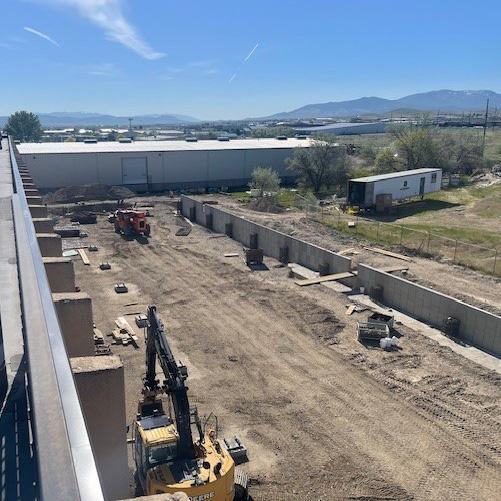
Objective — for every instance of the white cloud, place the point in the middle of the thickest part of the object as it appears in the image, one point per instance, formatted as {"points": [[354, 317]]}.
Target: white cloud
{"points": [[41, 35], [108, 15]]}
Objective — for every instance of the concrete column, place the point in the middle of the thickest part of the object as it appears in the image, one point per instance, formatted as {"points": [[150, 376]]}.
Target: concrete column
{"points": [[38, 210], [74, 310], [34, 199], [100, 385], [43, 224], [60, 273], [50, 244]]}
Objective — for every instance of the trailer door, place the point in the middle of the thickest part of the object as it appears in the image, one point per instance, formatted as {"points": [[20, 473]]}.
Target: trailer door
{"points": [[421, 186]]}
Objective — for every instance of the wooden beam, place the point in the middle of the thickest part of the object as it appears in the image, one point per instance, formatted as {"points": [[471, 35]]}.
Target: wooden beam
{"points": [[325, 278], [391, 269], [84, 257], [390, 254]]}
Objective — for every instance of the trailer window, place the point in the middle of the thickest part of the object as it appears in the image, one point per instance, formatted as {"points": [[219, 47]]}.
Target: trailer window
{"points": [[434, 177]]}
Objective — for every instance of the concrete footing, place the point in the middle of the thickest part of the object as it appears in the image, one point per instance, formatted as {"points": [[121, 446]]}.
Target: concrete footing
{"points": [[43, 224], [60, 273], [50, 244], [100, 385], [38, 210], [74, 310]]}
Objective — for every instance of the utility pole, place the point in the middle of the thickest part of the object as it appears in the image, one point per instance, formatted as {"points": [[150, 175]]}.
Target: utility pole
{"points": [[485, 124], [130, 127]]}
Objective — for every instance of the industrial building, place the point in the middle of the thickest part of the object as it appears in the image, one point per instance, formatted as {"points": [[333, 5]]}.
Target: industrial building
{"points": [[368, 191], [345, 128], [157, 165]]}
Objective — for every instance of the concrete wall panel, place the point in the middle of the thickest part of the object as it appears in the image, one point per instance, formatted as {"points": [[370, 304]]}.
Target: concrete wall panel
{"points": [[478, 327], [269, 240]]}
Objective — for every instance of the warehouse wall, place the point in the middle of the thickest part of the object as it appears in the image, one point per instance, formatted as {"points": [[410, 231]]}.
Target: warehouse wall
{"points": [[269, 240], [167, 169], [478, 327]]}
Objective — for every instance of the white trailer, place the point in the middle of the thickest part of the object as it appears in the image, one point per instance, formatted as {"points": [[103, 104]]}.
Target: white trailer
{"points": [[364, 191]]}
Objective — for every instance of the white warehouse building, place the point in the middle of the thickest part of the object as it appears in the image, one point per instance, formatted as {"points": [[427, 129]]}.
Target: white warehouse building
{"points": [[157, 165]]}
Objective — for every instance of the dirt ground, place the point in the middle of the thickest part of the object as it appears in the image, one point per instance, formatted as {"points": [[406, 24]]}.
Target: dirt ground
{"points": [[476, 288], [323, 416]]}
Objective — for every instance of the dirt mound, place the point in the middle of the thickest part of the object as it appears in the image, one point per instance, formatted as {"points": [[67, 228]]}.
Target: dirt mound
{"points": [[88, 192], [266, 204]]}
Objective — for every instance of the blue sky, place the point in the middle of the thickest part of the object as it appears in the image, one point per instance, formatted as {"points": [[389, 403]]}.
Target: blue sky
{"points": [[194, 56]]}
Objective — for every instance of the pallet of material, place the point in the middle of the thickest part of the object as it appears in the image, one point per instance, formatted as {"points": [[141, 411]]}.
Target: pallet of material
{"points": [[325, 278], [125, 334], [390, 254], [84, 257]]}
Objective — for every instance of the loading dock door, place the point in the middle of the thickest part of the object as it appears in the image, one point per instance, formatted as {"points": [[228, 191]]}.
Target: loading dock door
{"points": [[134, 170]]}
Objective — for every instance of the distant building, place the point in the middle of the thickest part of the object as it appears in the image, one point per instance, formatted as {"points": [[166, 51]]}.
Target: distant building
{"points": [[345, 128], [157, 165]]}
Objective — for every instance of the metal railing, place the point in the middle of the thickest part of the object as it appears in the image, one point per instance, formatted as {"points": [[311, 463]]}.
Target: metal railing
{"points": [[65, 462]]}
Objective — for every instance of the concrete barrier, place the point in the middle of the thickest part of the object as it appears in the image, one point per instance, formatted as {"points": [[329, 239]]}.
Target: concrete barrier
{"points": [[50, 244], [100, 386], [274, 243], [74, 311], [478, 327], [43, 224], [38, 211], [60, 273]]}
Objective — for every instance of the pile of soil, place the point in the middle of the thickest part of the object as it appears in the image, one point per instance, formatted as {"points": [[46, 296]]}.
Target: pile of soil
{"points": [[265, 204], [88, 192]]}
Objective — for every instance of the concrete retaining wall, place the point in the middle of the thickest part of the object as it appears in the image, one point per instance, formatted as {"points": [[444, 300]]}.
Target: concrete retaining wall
{"points": [[271, 241], [478, 327]]}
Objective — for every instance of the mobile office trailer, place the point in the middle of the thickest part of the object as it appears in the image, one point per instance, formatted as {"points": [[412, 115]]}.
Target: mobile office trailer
{"points": [[364, 191]]}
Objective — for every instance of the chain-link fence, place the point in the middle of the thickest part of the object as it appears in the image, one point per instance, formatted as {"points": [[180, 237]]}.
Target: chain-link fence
{"points": [[486, 259]]}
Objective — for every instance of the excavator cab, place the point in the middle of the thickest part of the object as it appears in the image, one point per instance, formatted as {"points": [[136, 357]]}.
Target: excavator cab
{"points": [[168, 459]]}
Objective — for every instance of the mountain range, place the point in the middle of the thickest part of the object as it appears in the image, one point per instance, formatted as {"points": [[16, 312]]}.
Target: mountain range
{"points": [[433, 101], [71, 119], [438, 100]]}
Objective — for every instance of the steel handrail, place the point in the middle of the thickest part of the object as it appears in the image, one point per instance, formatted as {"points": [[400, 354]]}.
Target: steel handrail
{"points": [[65, 461]]}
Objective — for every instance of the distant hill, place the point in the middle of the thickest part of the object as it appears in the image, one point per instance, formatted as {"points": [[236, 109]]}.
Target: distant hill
{"points": [[437, 100], [70, 119]]}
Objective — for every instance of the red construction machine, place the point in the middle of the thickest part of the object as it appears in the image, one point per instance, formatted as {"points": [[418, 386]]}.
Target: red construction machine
{"points": [[130, 222]]}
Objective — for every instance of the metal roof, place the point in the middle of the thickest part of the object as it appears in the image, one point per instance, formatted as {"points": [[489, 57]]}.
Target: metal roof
{"points": [[391, 175], [340, 125], [159, 146]]}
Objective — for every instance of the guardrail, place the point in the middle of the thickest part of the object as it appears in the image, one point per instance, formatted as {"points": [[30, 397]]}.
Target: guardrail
{"points": [[66, 465]]}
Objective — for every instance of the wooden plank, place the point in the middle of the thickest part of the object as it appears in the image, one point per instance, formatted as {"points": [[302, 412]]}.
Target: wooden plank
{"points": [[122, 324], [231, 254], [388, 253], [350, 309], [391, 269], [84, 257], [325, 278]]}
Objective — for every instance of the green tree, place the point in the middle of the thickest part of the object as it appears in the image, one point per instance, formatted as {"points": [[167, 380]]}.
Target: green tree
{"points": [[24, 126], [462, 152], [417, 147], [386, 161], [321, 167], [265, 179]]}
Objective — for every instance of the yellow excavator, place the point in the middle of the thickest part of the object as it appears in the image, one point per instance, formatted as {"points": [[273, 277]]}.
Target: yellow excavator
{"points": [[168, 459]]}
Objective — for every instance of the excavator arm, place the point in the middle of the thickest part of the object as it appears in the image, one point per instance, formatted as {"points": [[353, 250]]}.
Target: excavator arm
{"points": [[157, 347]]}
